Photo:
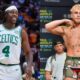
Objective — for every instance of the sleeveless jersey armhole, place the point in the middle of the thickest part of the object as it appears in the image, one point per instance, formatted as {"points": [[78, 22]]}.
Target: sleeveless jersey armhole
{"points": [[20, 31]]}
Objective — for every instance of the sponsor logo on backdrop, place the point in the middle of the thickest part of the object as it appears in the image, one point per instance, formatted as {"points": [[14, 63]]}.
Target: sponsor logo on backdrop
{"points": [[45, 15], [67, 16], [44, 59], [45, 45], [43, 30]]}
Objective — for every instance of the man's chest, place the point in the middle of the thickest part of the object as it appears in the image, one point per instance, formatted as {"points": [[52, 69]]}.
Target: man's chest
{"points": [[72, 35], [59, 61]]}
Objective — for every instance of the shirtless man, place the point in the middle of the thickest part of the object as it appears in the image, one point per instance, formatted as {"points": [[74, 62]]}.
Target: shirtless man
{"points": [[71, 35]]}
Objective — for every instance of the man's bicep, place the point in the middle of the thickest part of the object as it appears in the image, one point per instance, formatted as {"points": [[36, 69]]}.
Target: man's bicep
{"points": [[57, 31], [25, 42]]}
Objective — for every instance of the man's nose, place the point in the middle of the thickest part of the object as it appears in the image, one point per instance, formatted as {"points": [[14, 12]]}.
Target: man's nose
{"points": [[14, 14]]}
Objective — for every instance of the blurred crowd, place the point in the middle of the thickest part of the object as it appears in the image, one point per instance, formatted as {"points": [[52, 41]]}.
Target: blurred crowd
{"points": [[29, 20]]}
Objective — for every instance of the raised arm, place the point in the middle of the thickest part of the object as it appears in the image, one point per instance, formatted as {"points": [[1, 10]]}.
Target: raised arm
{"points": [[55, 28]]}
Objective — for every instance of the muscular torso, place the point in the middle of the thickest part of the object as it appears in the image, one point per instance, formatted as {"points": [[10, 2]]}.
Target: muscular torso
{"points": [[72, 41]]}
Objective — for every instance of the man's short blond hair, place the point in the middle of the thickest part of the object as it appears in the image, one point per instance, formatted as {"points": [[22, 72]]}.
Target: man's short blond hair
{"points": [[75, 7]]}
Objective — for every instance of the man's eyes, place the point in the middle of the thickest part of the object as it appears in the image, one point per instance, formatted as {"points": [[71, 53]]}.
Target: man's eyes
{"points": [[13, 12]]}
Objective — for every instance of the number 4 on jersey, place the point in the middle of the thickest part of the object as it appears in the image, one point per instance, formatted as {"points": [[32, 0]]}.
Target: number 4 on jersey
{"points": [[6, 51]]}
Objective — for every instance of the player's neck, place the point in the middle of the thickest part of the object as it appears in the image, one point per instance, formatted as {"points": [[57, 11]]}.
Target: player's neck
{"points": [[9, 25], [76, 25]]}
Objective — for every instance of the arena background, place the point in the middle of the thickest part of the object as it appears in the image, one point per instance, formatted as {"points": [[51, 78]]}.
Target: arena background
{"points": [[29, 20], [51, 10]]}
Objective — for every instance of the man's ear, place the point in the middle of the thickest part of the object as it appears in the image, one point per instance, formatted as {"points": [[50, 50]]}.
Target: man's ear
{"points": [[64, 47]]}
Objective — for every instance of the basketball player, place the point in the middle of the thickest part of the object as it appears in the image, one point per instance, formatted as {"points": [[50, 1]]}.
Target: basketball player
{"points": [[12, 38], [70, 31], [55, 63]]}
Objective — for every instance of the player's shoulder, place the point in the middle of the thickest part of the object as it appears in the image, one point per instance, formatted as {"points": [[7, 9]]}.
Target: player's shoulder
{"points": [[19, 27], [51, 58], [1, 25], [64, 53]]}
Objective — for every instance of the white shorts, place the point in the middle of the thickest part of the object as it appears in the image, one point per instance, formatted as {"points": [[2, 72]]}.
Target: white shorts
{"points": [[10, 72]]}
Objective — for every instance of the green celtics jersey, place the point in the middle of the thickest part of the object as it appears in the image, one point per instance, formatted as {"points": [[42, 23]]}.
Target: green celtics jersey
{"points": [[10, 45]]}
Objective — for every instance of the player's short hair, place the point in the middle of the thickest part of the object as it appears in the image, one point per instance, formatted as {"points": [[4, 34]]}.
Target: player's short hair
{"points": [[76, 6]]}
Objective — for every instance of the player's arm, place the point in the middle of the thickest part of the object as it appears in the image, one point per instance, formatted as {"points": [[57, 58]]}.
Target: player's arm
{"points": [[55, 28], [26, 49]]}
